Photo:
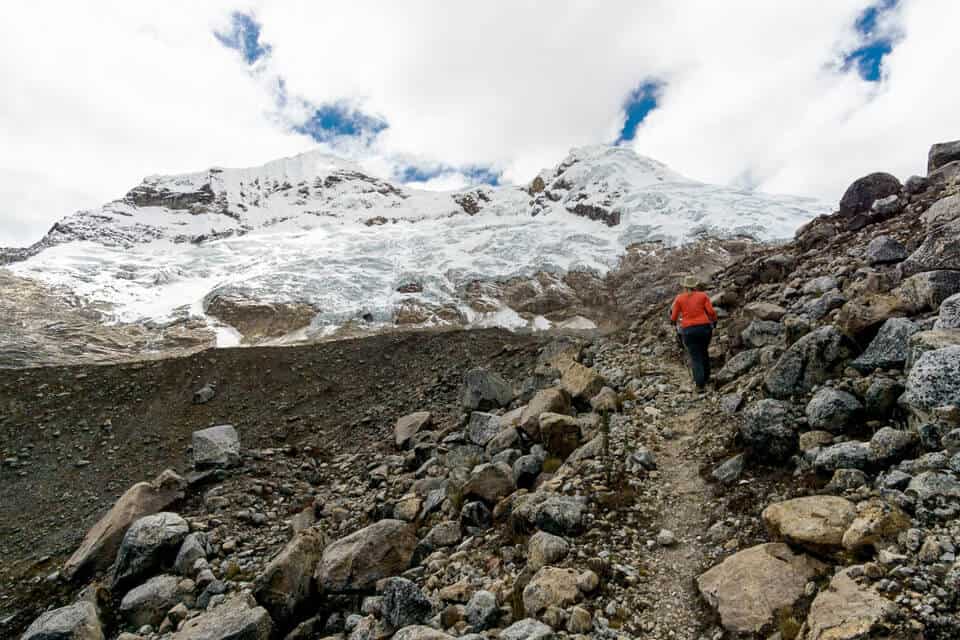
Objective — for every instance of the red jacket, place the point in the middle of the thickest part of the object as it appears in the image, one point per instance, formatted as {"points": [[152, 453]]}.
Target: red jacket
{"points": [[693, 308]]}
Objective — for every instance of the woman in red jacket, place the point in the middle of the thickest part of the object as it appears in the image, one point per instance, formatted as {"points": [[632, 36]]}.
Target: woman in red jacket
{"points": [[697, 319]]}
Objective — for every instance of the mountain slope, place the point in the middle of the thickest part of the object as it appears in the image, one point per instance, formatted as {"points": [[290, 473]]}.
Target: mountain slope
{"points": [[304, 246]]}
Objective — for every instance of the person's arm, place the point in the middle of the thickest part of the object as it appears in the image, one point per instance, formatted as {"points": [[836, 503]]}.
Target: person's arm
{"points": [[711, 312], [675, 311]]}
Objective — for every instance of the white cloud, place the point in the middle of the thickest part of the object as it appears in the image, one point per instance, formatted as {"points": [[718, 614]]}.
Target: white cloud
{"points": [[97, 95]]}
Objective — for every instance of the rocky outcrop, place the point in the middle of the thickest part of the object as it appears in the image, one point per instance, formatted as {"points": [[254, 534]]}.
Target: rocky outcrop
{"points": [[257, 320]]}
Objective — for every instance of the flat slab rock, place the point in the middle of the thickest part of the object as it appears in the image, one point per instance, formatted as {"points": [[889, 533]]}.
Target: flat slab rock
{"points": [[238, 618], [814, 522], [846, 611], [751, 587]]}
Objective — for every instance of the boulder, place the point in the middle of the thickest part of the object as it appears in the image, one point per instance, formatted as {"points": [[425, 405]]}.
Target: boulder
{"points": [[949, 316], [860, 196], [820, 285], [846, 610], [99, 546], [764, 311], [942, 153], [942, 212], [889, 445], [889, 349], [816, 310], [762, 333], [490, 482], [737, 366], [833, 410], [885, 250], [550, 587], [816, 523], [752, 587], [924, 341], [148, 604], [545, 549], [475, 517], [149, 544], [560, 434], [729, 471], [552, 400], [238, 618], [846, 480], [358, 561], [286, 585], [527, 629], [865, 313], [526, 469], [482, 611], [482, 428], [808, 362], [606, 400], [551, 512], [216, 447], [881, 398], [877, 523], [933, 487], [843, 455], [939, 251], [767, 428], [78, 621], [404, 604], [934, 381], [195, 546], [410, 425], [580, 381], [484, 390], [420, 632], [927, 290]]}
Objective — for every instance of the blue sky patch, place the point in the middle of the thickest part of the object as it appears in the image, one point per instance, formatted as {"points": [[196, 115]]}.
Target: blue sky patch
{"points": [[334, 120], [639, 103], [868, 58], [474, 174], [244, 36]]}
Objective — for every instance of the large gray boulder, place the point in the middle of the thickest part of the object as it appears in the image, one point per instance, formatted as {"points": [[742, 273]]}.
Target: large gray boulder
{"points": [[150, 543], [78, 621], [949, 317], [484, 390], [809, 361], [404, 604], [410, 425], [934, 381], [885, 250], [767, 429], [843, 455], [860, 196], [216, 447], [891, 445], [527, 629], [99, 547], [148, 603], [942, 153], [934, 487], [482, 427], [238, 618], [890, 348], [737, 366], [286, 585], [490, 482], [762, 333], [551, 512], [927, 290], [939, 251], [832, 410], [358, 561]]}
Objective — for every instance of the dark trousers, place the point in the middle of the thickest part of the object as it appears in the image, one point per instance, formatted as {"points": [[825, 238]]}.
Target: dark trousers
{"points": [[696, 339]]}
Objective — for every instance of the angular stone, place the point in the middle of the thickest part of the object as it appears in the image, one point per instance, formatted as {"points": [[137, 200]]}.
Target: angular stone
{"points": [[767, 429], [482, 428], [764, 311], [484, 390], [846, 480], [925, 341], [404, 604], [482, 611], [560, 434], [527, 629], [358, 561], [238, 618], [150, 543], [750, 588], [148, 604], [762, 333], [889, 349], [927, 290], [890, 445], [933, 486], [816, 523], [551, 400], [868, 311], [545, 549], [216, 447], [843, 455], [554, 513], [490, 482], [820, 285], [942, 153], [580, 381], [808, 362], [949, 316], [606, 400], [526, 469], [881, 398], [421, 632], [885, 250], [877, 522], [862, 193], [286, 585], [195, 546], [550, 587], [99, 546], [814, 439], [78, 621], [729, 471], [832, 410], [934, 381], [737, 366], [409, 426], [847, 611]]}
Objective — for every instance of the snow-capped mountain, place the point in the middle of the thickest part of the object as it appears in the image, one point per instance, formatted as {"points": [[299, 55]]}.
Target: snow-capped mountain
{"points": [[302, 246]]}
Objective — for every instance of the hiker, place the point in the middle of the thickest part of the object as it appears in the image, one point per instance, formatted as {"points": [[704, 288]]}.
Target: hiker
{"points": [[697, 319]]}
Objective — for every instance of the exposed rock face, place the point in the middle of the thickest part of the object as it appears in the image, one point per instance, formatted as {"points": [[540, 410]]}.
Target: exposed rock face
{"points": [[356, 562], [808, 362], [287, 584], [148, 544], [257, 320], [816, 523], [751, 587], [99, 546], [216, 447], [846, 611], [236, 619], [77, 621]]}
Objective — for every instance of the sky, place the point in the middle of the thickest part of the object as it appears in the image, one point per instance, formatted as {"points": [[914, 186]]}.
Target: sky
{"points": [[782, 96]]}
